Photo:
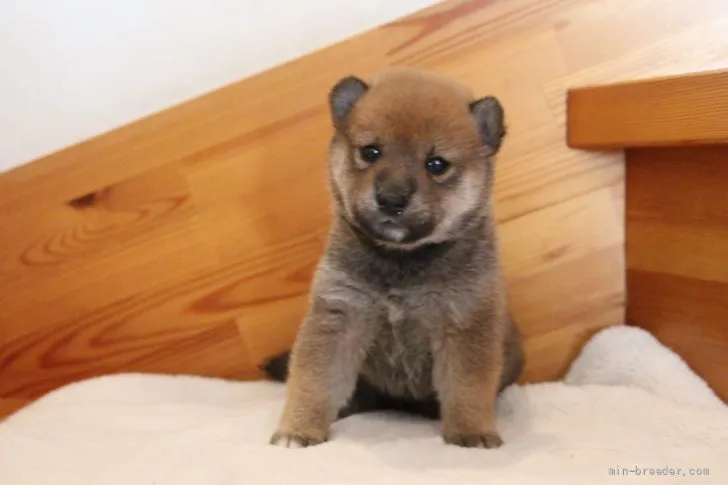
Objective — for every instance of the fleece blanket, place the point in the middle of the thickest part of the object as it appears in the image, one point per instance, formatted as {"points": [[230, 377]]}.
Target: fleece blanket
{"points": [[629, 411]]}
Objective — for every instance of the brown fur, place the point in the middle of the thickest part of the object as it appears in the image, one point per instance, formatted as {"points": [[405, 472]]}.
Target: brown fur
{"points": [[413, 306]]}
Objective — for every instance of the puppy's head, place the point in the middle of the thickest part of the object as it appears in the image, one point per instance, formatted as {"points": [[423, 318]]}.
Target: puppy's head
{"points": [[410, 160]]}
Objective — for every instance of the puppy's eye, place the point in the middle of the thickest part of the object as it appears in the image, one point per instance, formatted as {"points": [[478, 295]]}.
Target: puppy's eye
{"points": [[437, 165], [370, 153]]}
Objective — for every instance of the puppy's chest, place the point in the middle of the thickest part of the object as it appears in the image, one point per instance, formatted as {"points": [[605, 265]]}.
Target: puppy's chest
{"points": [[400, 358], [410, 313], [411, 319]]}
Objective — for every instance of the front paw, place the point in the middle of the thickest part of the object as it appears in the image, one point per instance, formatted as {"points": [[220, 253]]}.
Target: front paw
{"points": [[296, 440], [476, 440]]}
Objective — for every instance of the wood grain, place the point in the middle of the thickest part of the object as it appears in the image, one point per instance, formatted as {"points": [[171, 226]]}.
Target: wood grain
{"points": [[9, 405], [677, 253], [185, 242], [691, 109]]}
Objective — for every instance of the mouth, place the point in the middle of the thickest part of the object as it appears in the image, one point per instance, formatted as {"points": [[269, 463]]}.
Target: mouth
{"points": [[392, 230]]}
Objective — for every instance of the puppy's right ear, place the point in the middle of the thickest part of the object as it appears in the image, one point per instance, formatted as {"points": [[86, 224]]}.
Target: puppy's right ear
{"points": [[343, 97]]}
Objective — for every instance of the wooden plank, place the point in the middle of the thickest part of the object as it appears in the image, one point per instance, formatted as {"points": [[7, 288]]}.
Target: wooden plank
{"points": [[219, 282], [677, 253], [9, 405], [685, 110], [689, 316]]}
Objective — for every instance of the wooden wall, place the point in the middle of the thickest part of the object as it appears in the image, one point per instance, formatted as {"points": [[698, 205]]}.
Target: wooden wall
{"points": [[677, 253], [184, 242], [674, 131]]}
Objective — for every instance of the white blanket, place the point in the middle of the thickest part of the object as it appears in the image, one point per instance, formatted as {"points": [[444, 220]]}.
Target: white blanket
{"points": [[628, 406]]}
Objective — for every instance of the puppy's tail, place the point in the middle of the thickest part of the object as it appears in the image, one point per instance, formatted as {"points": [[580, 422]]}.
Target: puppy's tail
{"points": [[277, 366]]}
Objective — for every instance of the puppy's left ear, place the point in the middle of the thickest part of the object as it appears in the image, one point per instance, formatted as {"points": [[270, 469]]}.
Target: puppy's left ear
{"points": [[489, 116]]}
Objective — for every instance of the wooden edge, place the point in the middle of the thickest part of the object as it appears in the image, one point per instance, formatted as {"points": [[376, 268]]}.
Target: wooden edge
{"points": [[9, 406], [684, 110]]}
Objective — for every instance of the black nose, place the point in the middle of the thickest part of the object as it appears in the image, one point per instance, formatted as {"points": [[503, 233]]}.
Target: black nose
{"points": [[392, 204]]}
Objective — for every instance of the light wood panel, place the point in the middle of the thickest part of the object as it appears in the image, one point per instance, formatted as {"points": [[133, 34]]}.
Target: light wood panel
{"points": [[677, 253], [185, 241], [677, 110]]}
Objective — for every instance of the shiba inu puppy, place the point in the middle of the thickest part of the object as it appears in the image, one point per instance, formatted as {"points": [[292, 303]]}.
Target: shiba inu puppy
{"points": [[408, 307]]}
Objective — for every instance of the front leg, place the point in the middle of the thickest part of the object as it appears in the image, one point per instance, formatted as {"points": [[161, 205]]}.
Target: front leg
{"points": [[468, 363], [324, 365]]}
